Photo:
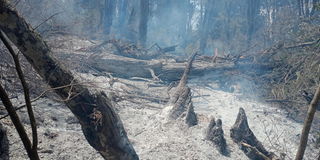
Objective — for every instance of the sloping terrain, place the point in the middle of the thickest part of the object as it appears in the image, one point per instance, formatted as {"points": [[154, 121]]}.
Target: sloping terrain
{"points": [[142, 106]]}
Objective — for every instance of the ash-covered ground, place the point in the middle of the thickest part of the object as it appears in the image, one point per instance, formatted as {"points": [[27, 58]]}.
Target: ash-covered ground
{"points": [[142, 105]]}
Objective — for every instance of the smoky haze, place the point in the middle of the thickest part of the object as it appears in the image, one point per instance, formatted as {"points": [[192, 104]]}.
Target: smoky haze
{"points": [[230, 26]]}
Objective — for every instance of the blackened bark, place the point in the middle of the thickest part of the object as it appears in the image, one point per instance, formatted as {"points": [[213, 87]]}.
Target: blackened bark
{"points": [[242, 134], [215, 134], [4, 144], [191, 117], [181, 99], [33, 155], [25, 91], [108, 136]]}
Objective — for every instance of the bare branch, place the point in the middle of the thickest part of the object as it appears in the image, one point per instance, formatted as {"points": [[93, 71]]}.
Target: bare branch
{"points": [[18, 125], [25, 91]]}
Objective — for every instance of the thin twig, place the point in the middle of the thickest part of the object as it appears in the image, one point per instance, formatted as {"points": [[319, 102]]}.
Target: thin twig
{"points": [[46, 20]]}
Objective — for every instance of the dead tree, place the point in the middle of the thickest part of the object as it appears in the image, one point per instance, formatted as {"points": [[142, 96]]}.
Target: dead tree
{"points": [[107, 15], [215, 134], [206, 24], [245, 138], [100, 124], [307, 125], [143, 22], [191, 117], [181, 98], [33, 155], [25, 91], [4, 144]]}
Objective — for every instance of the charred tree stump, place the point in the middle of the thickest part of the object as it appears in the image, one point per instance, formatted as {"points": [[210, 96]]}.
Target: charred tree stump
{"points": [[245, 138], [191, 117], [100, 123], [4, 144], [181, 99], [180, 105], [215, 134]]}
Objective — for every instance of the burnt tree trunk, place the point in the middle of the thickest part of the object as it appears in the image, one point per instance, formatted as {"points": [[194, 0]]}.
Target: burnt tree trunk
{"points": [[4, 144], [143, 23], [300, 7], [252, 16], [245, 138], [108, 136], [33, 154], [206, 24], [107, 17], [123, 16], [307, 125], [306, 8], [215, 134], [132, 25], [181, 98]]}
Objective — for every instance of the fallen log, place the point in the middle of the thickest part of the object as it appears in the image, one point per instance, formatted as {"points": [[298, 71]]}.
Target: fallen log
{"points": [[166, 69], [100, 124], [245, 138]]}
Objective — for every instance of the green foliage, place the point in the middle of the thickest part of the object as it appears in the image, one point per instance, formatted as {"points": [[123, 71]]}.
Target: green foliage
{"points": [[317, 7]]}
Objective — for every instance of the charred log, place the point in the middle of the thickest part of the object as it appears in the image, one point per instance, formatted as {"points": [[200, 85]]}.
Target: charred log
{"points": [[170, 69]]}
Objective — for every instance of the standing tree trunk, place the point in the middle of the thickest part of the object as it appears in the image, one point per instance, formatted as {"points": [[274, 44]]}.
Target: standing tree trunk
{"points": [[143, 23], [252, 13], [123, 16], [306, 8], [100, 124], [132, 25], [307, 125], [25, 87], [181, 100], [206, 24], [108, 13], [300, 7], [4, 144], [32, 154]]}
